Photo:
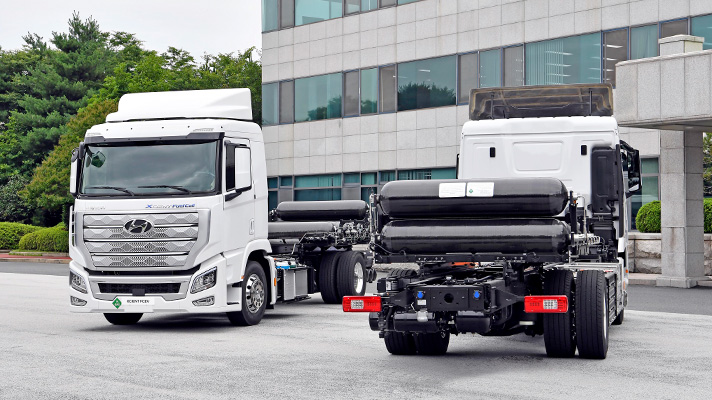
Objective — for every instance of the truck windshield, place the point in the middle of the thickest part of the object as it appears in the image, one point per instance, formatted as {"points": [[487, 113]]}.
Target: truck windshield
{"points": [[151, 169]]}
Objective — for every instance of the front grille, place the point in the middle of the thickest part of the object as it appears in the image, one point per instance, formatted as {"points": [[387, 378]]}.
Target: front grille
{"points": [[167, 244], [150, 288]]}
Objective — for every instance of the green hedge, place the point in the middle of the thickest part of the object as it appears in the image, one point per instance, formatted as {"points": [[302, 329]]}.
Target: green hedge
{"points": [[648, 218], [11, 232], [52, 239]]}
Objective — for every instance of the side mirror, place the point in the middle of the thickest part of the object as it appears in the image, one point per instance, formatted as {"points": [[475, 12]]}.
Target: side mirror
{"points": [[243, 169], [76, 159]]}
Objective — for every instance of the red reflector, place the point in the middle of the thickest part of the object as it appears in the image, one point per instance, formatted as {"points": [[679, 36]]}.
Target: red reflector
{"points": [[546, 304], [361, 304]]}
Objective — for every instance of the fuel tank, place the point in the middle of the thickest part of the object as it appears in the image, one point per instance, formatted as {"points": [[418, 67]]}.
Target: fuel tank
{"points": [[507, 236], [296, 230], [322, 210], [511, 197]]}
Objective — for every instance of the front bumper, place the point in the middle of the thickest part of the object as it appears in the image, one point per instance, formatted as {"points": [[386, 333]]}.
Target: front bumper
{"points": [[166, 303]]}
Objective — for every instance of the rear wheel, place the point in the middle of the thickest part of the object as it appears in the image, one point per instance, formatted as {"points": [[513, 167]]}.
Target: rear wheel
{"points": [[559, 329], [592, 314], [123, 318], [399, 343], [254, 297], [432, 344], [351, 274], [327, 277]]}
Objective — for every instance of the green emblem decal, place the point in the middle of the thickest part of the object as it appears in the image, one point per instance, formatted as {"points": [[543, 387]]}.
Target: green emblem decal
{"points": [[117, 303]]}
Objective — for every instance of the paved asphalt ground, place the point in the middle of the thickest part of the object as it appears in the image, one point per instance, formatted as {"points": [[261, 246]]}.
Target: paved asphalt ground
{"points": [[313, 350]]}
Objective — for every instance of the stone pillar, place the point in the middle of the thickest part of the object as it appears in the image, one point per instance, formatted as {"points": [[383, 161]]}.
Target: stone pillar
{"points": [[682, 217]]}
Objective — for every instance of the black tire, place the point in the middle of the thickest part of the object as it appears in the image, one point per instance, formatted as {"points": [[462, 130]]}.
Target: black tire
{"points": [[123, 318], [351, 274], [327, 277], [399, 343], [619, 318], [591, 314], [254, 297], [559, 329], [403, 273], [432, 344]]}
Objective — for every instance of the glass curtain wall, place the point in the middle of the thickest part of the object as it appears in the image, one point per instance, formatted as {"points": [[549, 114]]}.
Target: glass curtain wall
{"points": [[287, 18], [672, 28], [649, 192], [270, 15], [514, 66], [468, 76], [643, 42], [427, 83], [351, 89], [702, 26], [369, 91], [286, 102], [368, 5], [270, 103], [575, 59], [309, 11], [317, 187], [490, 68], [387, 97], [615, 50], [352, 6], [317, 97]]}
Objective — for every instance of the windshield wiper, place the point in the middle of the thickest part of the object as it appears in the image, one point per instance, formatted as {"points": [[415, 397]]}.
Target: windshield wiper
{"points": [[181, 188], [112, 187]]}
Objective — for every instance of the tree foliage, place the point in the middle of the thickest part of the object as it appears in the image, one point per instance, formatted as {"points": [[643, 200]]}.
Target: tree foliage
{"points": [[707, 163]]}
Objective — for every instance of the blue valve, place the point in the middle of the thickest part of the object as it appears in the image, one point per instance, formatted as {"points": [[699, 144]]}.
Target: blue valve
{"points": [[421, 295], [477, 294]]}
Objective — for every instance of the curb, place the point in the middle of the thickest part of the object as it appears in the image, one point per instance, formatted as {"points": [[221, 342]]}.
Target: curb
{"points": [[36, 260]]}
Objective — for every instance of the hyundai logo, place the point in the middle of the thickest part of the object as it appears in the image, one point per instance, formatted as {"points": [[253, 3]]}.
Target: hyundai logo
{"points": [[138, 226]]}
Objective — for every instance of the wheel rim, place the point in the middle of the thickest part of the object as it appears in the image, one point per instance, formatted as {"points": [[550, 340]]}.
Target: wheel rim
{"points": [[358, 277], [254, 293]]}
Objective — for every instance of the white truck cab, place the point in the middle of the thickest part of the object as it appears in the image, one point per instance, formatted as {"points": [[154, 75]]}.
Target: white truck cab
{"points": [[167, 193]]}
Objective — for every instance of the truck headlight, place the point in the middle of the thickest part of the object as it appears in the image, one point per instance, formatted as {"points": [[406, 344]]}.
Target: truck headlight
{"points": [[204, 281], [77, 282]]}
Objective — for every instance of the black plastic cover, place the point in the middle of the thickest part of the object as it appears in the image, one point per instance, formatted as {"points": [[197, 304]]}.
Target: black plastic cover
{"points": [[606, 177], [506, 236], [322, 210], [541, 101], [512, 197], [296, 230]]}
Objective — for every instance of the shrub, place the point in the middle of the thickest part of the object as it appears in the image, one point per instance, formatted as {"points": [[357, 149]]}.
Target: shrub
{"points": [[648, 218], [11, 232], [52, 239], [707, 208]]}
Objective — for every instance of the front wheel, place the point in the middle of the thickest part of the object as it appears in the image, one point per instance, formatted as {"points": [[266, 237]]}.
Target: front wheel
{"points": [[254, 297], [123, 318], [591, 314]]}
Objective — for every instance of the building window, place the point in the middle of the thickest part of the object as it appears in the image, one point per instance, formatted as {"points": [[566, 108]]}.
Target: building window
{"points": [[643, 42], [369, 185], [490, 68], [650, 175], [575, 59], [286, 102], [369, 91], [285, 181], [287, 18], [424, 174], [702, 27], [309, 11], [352, 6], [467, 73], [387, 97], [386, 176], [615, 50], [388, 3], [351, 89], [270, 15], [317, 97], [270, 103], [672, 28], [427, 83], [317, 187], [352, 179], [514, 66], [272, 196], [368, 5], [406, 1]]}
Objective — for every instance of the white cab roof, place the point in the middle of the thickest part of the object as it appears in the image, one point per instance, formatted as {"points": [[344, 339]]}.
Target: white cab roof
{"points": [[539, 125], [213, 103]]}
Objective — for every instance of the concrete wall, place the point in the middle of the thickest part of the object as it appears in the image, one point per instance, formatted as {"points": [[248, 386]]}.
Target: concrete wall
{"points": [[645, 250]]}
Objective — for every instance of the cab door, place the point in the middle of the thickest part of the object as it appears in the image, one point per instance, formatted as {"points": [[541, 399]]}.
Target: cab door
{"points": [[238, 193]]}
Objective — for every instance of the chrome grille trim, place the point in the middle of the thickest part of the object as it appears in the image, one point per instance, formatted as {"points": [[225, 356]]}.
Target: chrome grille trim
{"points": [[154, 260], [155, 219], [155, 233], [169, 246]]}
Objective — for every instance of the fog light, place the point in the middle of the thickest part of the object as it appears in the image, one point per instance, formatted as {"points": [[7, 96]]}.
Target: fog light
{"points": [[204, 281], [207, 301], [77, 282], [77, 301]]}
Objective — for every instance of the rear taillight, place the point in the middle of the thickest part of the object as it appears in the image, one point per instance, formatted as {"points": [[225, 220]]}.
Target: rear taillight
{"points": [[546, 304], [361, 303]]}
